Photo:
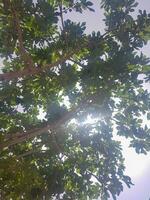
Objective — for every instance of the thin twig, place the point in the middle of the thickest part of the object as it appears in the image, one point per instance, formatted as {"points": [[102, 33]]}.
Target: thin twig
{"points": [[28, 153], [61, 14], [24, 54]]}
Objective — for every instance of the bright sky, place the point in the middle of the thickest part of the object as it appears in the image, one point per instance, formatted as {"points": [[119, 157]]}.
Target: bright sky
{"points": [[137, 166]]}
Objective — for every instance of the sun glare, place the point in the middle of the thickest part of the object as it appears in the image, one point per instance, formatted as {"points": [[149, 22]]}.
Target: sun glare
{"points": [[135, 163], [90, 120]]}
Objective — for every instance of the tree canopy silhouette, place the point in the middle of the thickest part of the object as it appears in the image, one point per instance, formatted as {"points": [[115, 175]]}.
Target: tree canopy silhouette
{"points": [[51, 65]]}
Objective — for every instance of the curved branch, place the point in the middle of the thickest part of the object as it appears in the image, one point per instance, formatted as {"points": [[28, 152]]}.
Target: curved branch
{"points": [[17, 138]]}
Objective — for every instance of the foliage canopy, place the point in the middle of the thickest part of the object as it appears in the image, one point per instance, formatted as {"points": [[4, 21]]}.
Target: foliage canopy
{"points": [[50, 64]]}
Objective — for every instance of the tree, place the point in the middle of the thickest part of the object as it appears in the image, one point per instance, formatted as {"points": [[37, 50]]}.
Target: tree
{"points": [[50, 64]]}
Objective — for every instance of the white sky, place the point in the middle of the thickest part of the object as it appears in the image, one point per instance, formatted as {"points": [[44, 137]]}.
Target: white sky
{"points": [[136, 165]]}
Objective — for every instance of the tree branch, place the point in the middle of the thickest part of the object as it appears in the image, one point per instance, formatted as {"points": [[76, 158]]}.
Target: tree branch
{"points": [[61, 14], [24, 54], [96, 177], [17, 138], [37, 70], [28, 153], [32, 71]]}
